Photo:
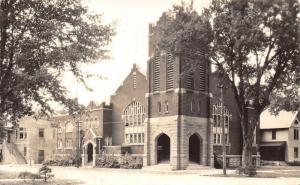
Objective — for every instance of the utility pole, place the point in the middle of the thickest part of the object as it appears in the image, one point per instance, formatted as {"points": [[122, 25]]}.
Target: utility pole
{"points": [[78, 147], [223, 131]]}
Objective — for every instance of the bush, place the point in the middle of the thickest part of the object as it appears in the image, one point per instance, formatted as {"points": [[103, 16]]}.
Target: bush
{"points": [[66, 161], [251, 171], [126, 162], [129, 162], [107, 162], [218, 162], [28, 175]]}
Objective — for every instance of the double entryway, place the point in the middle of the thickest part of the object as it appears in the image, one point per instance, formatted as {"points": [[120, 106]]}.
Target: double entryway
{"points": [[163, 148]]}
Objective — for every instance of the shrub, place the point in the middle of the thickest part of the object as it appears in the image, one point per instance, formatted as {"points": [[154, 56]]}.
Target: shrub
{"points": [[66, 161], [251, 171], [107, 162], [29, 175], [126, 162], [45, 172], [129, 162]]}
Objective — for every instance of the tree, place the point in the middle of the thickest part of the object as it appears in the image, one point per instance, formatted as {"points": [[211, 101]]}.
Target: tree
{"points": [[253, 44], [256, 46], [45, 172], [39, 41]]}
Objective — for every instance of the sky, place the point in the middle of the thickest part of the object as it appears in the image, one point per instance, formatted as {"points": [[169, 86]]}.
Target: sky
{"points": [[129, 45]]}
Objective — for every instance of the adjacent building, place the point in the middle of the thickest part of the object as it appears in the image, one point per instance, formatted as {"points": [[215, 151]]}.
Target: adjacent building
{"points": [[279, 136], [31, 142]]}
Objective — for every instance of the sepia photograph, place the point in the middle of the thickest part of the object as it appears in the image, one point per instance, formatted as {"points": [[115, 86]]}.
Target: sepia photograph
{"points": [[149, 92]]}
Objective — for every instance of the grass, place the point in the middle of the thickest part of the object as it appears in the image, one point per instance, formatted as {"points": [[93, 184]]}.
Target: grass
{"points": [[11, 178], [39, 182]]}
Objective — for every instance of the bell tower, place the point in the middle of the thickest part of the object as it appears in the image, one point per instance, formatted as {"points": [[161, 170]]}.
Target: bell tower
{"points": [[177, 130]]}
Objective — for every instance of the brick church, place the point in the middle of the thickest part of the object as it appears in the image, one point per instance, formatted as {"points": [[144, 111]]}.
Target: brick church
{"points": [[162, 117]]}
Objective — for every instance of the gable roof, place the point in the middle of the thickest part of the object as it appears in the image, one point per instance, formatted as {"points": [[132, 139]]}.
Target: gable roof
{"points": [[284, 119]]}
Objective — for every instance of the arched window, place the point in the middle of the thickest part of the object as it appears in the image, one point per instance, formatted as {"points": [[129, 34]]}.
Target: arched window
{"points": [[220, 115], [134, 115], [69, 127]]}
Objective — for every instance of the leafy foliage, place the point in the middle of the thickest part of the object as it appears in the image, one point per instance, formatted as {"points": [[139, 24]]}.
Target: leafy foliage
{"points": [[254, 45], [39, 41]]}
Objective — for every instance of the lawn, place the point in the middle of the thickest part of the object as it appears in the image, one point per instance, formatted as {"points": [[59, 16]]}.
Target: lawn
{"points": [[11, 178]]}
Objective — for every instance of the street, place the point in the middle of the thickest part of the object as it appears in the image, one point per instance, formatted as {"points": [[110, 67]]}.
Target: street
{"points": [[97, 176]]}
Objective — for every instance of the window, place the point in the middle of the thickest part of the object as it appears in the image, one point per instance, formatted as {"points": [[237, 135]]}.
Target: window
{"points": [[25, 151], [166, 107], [199, 106], [170, 71], [134, 116], [108, 140], [59, 144], [41, 132], [159, 107], [190, 84], [215, 138], [69, 143], [134, 80], [59, 130], [296, 155], [41, 156], [156, 85], [296, 122], [193, 107], [220, 111], [69, 127], [22, 134], [296, 134], [273, 134]]}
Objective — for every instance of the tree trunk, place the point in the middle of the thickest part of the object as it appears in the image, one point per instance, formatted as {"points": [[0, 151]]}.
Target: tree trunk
{"points": [[247, 153]]}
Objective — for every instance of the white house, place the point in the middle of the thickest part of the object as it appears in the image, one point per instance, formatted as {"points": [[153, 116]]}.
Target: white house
{"points": [[279, 136]]}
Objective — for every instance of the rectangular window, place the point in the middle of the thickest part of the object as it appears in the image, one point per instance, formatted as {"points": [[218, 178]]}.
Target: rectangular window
{"points": [[296, 134], [166, 107], [41, 132], [199, 106], [215, 120], [215, 138], [193, 107], [296, 155], [158, 107], [131, 138], [218, 139], [273, 134], [25, 151], [139, 138], [21, 136], [41, 156]]}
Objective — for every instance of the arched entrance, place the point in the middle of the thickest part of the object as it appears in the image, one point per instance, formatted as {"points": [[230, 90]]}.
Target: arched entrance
{"points": [[194, 149], [163, 148], [89, 152]]}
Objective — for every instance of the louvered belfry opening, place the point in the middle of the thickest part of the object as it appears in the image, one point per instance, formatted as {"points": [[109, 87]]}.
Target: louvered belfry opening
{"points": [[156, 85], [202, 76], [170, 71]]}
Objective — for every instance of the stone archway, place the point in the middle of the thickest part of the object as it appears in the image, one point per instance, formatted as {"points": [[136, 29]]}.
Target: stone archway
{"points": [[90, 152], [195, 149], [163, 149]]}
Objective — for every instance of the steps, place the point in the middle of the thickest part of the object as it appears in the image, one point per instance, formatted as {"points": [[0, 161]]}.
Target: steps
{"points": [[11, 155]]}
